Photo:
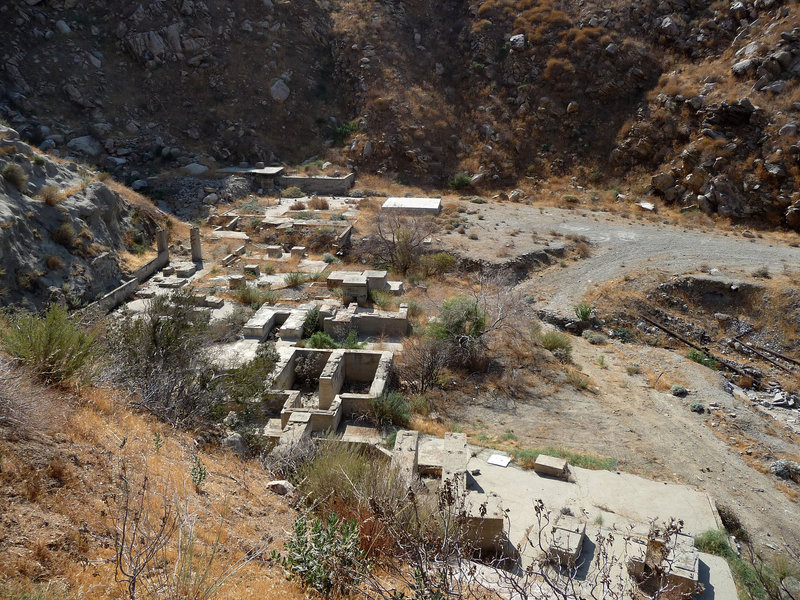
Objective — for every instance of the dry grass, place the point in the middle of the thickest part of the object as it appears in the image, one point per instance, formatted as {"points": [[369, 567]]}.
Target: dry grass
{"points": [[59, 483]]}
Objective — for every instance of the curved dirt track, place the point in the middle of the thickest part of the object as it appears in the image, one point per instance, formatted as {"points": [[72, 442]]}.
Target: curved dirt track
{"points": [[628, 248]]}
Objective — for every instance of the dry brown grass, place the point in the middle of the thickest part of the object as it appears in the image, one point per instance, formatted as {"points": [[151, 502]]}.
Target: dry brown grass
{"points": [[59, 484]]}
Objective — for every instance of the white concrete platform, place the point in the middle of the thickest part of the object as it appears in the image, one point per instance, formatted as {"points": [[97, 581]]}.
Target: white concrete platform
{"points": [[413, 206]]}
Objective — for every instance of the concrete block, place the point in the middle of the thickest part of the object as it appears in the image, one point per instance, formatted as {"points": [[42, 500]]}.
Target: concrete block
{"points": [[185, 270], [455, 456], [298, 251], [240, 250], [550, 465], [213, 302], [236, 282], [567, 541], [253, 270], [484, 523], [274, 251], [405, 455]]}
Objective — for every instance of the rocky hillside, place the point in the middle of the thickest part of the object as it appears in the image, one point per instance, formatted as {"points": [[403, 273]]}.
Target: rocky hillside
{"points": [[701, 94], [61, 230]]}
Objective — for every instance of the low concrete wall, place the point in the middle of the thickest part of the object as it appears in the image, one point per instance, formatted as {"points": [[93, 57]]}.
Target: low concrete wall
{"points": [[146, 271], [117, 296], [320, 185], [331, 379], [355, 405], [361, 365]]}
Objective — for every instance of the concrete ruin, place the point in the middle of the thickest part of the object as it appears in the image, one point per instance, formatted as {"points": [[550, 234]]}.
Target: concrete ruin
{"points": [[325, 386], [412, 206], [356, 287], [320, 184]]}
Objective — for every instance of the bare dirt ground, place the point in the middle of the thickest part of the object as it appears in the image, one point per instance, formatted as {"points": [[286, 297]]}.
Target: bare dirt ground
{"points": [[634, 417]]}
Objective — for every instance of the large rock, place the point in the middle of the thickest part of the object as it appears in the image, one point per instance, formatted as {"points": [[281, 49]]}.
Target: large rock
{"points": [[281, 487], [195, 169], [793, 217], [279, 91], [662, 182], [86, 145]]}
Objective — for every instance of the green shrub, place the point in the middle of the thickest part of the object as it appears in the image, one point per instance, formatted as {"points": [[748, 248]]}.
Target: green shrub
{"points": [[697, 407], [312, 323], [437, 263], [330, 258], [15, 175], [198, 472], [344, 130], [557, 343], [623, 334], [383, 300], [255, 297], [293, 192], [304, 215], [321, 340], [294, 279], [526, 457], [38, 160], [703, 359], [460, 181], [715, 541], [594, 337], [583, 311], [54, 347], [391, 409], [64, 234], [351, 341], [325, 556]]}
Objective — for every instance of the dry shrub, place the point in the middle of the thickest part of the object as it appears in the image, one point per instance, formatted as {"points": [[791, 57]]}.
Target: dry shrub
{"points": [[53, 262], [298, 206], [317, 203], [51, 195], [556, 69]]}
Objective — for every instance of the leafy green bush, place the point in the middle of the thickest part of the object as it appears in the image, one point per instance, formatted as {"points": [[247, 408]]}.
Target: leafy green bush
{"points": [[556, 342], [344, 130], [458, 317], [321, 340], [312, 323], [697, 407], [437, 263], [351, 341], [583, 311], [330, 258], [325, 556], [293, 192], [55, 347], [460, 181], [391, 409], [703, 359], [15, 175]]}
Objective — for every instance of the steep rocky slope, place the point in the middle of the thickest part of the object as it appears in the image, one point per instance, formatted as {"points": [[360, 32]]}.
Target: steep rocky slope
{"points": [[500, 89], [61, 229]]}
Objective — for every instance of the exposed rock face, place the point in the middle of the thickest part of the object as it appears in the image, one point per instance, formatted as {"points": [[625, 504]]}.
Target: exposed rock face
{"points": [[57, 247]]}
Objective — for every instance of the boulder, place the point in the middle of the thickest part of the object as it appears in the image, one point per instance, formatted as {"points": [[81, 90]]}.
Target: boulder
{"points": [[788, 130], [86, 145], [195, 169], [744, 67], [281, 487], [517, 41], [279, 91], [63, 28], [662, 182], [234, 442], [793, 217]]}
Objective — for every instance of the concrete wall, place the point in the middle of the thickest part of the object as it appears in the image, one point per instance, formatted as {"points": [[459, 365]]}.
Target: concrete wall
{"points": [[321, 185], [354, 405], [360, 365], [331, 379], [117, 296]]}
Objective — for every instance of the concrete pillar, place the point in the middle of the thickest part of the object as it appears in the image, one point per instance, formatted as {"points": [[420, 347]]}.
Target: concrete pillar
{"points": [[161, 241], [194, 239]]}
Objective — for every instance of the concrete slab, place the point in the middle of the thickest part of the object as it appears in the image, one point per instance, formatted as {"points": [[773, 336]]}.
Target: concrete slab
{"points": [[715, 575], [413, 206], [550, 465]]}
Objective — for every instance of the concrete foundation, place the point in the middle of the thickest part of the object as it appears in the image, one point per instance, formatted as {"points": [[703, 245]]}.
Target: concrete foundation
{"points": [[413, 206], [405, 455]]}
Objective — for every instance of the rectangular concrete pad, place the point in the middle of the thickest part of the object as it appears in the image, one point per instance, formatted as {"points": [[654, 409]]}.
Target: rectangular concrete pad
{"points": [[455, 456], [420, 206]]}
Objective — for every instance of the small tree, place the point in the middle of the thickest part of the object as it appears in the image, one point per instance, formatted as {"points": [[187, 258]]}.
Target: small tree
{"points": [[399, 240]]}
